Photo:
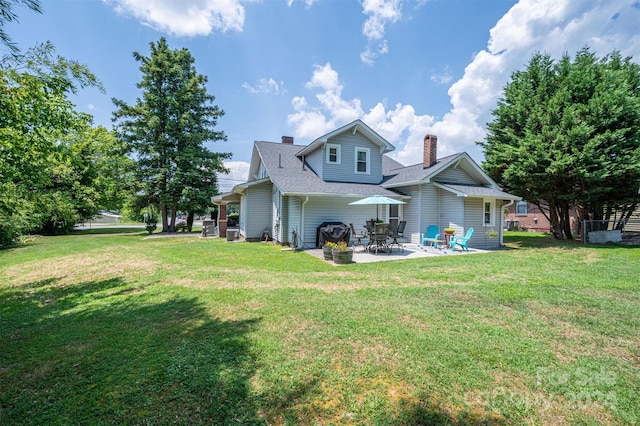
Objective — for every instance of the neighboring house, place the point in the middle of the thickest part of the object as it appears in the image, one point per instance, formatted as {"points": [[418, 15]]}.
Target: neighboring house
{"points": [[292, 187], [527, 216], [106, 217]]}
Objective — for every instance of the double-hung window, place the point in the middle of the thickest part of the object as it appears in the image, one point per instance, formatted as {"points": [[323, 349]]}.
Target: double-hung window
{"points": [[521, 207], [488, 213], [333, 153], [363, 160]]}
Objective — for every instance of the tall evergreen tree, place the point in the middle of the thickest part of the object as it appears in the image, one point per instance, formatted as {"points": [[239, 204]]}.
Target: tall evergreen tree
{"points": [[567, 134], [166, 130]]}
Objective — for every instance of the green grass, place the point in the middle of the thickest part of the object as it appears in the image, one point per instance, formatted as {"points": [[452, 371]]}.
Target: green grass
{"points": [[114, 328]]}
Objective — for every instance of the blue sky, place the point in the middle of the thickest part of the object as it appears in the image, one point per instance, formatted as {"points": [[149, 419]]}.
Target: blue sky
{"points": [[305, 67]]}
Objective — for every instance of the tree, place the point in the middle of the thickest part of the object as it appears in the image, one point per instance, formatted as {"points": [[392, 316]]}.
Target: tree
{"points": [[566, 135], [90, 173], [166, 130], [36, 123], [8, 15]]}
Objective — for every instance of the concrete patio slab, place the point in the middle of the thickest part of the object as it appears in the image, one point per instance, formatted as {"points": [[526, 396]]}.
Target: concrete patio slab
{"points": [[411, 251]]}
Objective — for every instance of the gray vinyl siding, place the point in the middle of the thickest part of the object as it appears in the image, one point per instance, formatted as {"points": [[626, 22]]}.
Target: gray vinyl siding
{"points": [[454, 175], [345, 171], [411, 213], [473, 218], [318, 210], [430, 206], [333, 209], [315, 160], [473, 215], [258, 210], [293, 218], [451, 213]]}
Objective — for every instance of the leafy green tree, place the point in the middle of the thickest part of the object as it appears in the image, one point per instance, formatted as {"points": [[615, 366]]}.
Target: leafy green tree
{"points": [[566, 134], [166, 130], [90, 173], [45, 176]]}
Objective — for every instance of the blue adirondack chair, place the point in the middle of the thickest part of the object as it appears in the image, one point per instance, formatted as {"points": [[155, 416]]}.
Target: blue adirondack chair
{"points": [[431, 236], [461, 241]]}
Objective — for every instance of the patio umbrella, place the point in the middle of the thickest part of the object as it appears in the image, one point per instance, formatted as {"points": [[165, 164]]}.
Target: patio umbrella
{"points": [[377, 200]]}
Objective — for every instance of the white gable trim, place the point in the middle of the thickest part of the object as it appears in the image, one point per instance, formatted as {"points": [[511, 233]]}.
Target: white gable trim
{"points": [[354, 126]]}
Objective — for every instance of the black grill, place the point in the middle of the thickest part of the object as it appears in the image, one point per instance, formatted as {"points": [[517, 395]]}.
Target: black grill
{"points": [[332, 231]]}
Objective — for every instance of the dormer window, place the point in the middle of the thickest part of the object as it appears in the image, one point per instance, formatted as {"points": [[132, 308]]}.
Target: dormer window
{"points": [[333, 153], [362, 161]]}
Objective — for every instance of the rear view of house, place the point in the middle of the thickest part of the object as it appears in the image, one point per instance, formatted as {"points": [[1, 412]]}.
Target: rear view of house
{"points": [[294, 188]]}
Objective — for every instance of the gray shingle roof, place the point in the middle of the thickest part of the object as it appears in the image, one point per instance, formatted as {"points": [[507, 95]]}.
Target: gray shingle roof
{"points": [[475, 191], [415, 173], [287, 172]]}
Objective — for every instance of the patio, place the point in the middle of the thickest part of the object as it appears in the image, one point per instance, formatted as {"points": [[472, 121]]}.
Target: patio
{"points": [[411, 251]]}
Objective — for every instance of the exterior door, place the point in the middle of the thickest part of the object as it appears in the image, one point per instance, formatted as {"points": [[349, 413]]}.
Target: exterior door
{"points": [[394, 215]]}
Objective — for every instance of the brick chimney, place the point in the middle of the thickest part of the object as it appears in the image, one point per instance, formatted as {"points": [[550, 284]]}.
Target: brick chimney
{"points": [[288, 140], [430, 154]]}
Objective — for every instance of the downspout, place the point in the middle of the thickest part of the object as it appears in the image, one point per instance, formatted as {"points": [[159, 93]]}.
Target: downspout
{"points": [[301, 240], [420, 214], [510, 203]]}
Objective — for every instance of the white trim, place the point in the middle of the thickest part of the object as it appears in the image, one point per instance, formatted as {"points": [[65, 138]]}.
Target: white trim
{"points": [[492, 211], [338, 153], [367, 152]]}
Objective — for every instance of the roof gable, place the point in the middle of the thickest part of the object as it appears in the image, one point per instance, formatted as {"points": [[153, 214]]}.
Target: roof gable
{"points": [[418, 173], [354, 126]]}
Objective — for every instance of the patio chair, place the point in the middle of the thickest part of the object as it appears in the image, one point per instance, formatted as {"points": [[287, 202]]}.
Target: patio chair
{"points": [[380, 237], [431, 236], [396, 233], [358, 236], [461, 241]]}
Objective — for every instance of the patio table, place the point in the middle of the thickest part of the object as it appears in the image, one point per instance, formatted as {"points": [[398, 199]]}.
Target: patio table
{"points": [[440, 245]]}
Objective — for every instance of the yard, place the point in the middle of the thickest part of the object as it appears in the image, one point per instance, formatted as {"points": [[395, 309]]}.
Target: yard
{"points": [[113, 328]]}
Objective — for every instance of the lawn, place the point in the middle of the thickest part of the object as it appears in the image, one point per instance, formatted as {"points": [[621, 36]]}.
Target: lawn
{"points": [[116, 328]]}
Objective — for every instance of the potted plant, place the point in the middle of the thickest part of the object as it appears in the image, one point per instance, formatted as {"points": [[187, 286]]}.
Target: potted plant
{"points": [[448, 233], [342, 253], [327, 250]]}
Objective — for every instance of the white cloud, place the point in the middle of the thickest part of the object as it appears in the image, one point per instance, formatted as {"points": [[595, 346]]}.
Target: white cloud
{"points": [[266, 86], [238, 173], [380, 13], [397, 125], [311, 122], [307, 2], [184, 18], [550, 26], [444, 77], [368, 57]]}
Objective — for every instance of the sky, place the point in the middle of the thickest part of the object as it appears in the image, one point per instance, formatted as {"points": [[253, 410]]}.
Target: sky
{"points": [[303, 68]]}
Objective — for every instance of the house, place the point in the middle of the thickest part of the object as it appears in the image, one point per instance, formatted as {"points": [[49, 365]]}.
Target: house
{"points": [[527, 216], [106, 217], [294, 188]]}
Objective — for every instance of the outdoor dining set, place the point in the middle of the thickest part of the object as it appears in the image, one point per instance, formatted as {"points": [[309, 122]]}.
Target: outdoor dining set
{"points": [[382, 237], [379, 237]]}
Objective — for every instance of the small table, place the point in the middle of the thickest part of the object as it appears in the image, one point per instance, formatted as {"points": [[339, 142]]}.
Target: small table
{"points": [[438, 243]]}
